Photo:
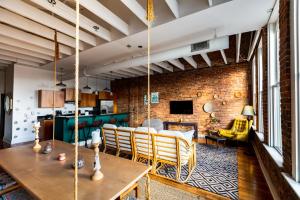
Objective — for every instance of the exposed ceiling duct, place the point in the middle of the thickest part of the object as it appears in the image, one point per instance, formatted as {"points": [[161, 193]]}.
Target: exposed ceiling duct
{"points": [[213, 45]]}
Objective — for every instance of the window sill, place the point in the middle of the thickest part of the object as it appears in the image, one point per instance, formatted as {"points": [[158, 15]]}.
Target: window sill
{"points": [[277, 157], [294, 185], [260, 136]]}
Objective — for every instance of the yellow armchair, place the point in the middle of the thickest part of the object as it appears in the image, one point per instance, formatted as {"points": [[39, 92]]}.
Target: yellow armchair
{"points": [[239, 130]]}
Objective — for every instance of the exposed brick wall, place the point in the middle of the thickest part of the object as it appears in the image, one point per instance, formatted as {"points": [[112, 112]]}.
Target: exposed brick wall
{"points": [[199, 85], [265, 83], [285, 82]]}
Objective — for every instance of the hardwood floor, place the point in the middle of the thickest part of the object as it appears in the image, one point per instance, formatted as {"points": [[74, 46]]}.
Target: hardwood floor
{"points": [[252, 184]]}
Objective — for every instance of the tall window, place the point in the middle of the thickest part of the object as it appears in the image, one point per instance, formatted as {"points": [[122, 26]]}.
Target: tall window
{"points": [[260, 89], [254, 88], [275, 133], [295, 75]]}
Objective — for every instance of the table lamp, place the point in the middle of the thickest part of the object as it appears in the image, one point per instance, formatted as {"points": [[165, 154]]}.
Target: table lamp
{"points": [[248, 111], [95, 142]]}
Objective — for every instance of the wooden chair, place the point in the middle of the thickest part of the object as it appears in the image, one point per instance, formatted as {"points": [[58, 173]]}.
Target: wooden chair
{"points": [[174, 149], [141, 144], [124, 140], [110, 137]]}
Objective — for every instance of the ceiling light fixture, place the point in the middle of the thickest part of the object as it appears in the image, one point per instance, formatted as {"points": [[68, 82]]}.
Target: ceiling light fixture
{"points": [[61, 84], [87, 87]]}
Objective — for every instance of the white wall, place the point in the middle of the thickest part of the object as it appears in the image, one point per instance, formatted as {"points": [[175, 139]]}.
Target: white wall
{"points": [[27, 82]]}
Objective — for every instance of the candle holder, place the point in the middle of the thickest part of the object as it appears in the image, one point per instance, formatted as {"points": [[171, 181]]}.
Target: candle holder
{"points": [[97, 173], [36, 128]]}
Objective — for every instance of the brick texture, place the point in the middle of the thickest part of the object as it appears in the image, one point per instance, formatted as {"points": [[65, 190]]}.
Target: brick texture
{"points": [[199, 85], [265, 83], [285, 82]]}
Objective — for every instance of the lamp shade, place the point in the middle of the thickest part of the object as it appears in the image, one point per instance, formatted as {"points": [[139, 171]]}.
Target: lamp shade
{"points": [[248, 111]]}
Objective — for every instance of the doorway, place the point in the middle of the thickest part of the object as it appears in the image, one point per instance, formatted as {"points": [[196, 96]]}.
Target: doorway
{"points": [[2, 116]]}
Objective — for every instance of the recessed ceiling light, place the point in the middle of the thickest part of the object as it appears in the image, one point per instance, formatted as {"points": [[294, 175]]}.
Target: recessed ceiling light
{"points": [[140, 46], [128, 46]]}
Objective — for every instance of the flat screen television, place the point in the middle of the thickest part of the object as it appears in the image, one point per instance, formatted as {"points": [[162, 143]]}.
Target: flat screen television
{"points": [[181, 107]]}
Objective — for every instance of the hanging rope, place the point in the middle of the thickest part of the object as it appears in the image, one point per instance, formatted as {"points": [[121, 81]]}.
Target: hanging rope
{"points": [[76, 101], [56, 57], [150, 18]]}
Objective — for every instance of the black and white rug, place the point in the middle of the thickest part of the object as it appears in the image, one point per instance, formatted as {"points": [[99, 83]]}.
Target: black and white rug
{"points": [[216, 170]]}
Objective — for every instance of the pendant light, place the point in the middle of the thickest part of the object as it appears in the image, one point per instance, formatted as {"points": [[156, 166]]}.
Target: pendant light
{"points": [[96, 90], [87, 87], [106, 89], [61, 84]]}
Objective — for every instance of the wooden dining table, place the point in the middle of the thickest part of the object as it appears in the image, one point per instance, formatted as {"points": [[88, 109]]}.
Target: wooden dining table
{"points": [[45, 177]]}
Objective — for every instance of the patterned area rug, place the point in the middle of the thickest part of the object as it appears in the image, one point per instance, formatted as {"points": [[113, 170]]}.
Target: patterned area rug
{"points": [[216, 171]]}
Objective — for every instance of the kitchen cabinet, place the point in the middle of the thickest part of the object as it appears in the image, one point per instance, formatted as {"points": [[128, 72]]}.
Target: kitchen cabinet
{"points": [[45, 99], [69, 94], [105, 95], [87, 100]]}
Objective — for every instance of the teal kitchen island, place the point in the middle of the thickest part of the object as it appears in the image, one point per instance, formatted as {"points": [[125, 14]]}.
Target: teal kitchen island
{"points": [[64, 125]]}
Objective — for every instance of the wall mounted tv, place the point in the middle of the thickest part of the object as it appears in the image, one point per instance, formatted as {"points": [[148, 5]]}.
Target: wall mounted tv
{"points": [[181, 107]]}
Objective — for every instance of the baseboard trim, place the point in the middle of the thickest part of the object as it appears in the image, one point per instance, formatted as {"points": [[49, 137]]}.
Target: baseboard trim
{"points": [[266, 174]]}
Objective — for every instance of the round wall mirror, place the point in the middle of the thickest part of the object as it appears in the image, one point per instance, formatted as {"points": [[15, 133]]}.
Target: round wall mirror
{"points": [[208, 107]]}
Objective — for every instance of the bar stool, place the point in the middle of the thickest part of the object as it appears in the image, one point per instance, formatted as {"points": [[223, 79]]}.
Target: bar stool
{"points": [[81, 129], [113, 121], [95, 124], [125, 122]]}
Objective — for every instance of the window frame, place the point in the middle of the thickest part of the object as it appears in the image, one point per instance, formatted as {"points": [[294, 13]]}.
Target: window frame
{"points": [[254, 89], [260, 88], [295, 85], [274, 108]]}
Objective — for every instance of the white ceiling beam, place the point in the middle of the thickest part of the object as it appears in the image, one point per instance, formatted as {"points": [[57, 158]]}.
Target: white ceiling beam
{"points": [[224, 56], [238, 39], [165, 66], [120, 74], [127, 73], [174, 7], [22, 56], [206, 59], [137, 9], [102, 12], [154, 68], [25, 52], [214, 45], [253, 44], [69, 14], [20, 61], [177, 63], [29, 38], [36, 28], [114, 76], [103, 77], [41, 17], [26, 46], [191, 61], [134, 72], [143, 69]]}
